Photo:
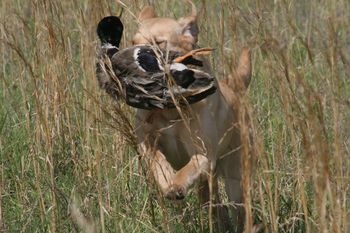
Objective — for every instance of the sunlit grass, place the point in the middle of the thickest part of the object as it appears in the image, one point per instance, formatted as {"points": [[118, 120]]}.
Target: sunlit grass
{"points": [[59, 133]]}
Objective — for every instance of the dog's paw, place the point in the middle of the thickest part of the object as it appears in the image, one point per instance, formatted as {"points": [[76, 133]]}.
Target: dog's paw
{"points": [[176, 192]]}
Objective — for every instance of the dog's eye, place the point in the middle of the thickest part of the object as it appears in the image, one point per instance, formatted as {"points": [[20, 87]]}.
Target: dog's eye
{"points": [[160, 42]]}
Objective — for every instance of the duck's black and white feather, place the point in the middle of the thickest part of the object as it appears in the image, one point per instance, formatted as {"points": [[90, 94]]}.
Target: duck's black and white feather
{"points": [[146, 77]]}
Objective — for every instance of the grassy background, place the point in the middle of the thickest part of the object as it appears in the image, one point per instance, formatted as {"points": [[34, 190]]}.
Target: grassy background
{"points": [[60, 140]]}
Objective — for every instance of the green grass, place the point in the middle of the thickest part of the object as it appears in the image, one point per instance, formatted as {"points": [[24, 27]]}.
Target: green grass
{"points": [[60, 137]]}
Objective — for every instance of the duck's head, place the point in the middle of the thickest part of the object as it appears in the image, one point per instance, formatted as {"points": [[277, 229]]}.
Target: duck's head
{"points": [[110, 30]]}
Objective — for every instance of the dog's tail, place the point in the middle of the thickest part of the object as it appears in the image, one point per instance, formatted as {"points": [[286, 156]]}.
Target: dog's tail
{"points": [[241, 78]]}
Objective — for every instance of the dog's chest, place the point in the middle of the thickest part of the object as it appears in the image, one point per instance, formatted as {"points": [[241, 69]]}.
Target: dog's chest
{"points": [[208, 132], [174, 143], [169, 134]]}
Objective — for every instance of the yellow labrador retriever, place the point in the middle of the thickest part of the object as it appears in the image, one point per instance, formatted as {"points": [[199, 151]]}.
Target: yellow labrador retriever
{"points": [[199, 142]]}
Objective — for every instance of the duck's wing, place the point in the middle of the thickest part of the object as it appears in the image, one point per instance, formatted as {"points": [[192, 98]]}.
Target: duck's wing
{"points": [[146, 92], [141, 75], [138, 59], [140, 78], [132, 74]]}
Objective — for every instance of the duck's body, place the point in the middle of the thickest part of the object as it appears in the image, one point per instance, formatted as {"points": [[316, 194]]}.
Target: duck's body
{"points": [[148, 78]]}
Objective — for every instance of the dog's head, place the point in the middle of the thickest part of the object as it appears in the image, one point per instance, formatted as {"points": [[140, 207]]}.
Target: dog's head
{"points": [[172, 34]]}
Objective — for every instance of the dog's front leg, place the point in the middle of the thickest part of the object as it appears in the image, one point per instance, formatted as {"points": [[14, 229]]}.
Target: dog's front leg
{"points": [[162, 171], [173, 185], [184, 178]]}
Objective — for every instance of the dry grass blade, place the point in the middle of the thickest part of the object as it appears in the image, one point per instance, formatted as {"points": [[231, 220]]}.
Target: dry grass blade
{"points": [[59, 133]]}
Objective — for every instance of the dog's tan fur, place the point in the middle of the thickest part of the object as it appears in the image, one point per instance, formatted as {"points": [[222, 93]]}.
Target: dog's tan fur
{"points": [[206, 142]]}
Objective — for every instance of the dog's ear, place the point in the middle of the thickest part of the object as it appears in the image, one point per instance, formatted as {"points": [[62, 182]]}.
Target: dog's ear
{"points": [[147, 12], [189, 24]]}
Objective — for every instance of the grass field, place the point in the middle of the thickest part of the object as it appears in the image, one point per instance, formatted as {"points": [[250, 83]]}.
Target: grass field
{"points": [[65, 166]]}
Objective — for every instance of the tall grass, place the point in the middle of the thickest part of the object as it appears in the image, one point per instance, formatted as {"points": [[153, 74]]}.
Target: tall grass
{"points": [[64, 159]]}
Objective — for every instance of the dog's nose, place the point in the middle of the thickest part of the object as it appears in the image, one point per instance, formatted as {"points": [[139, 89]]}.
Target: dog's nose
{"points": [[176, 193], [180, 195]]}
